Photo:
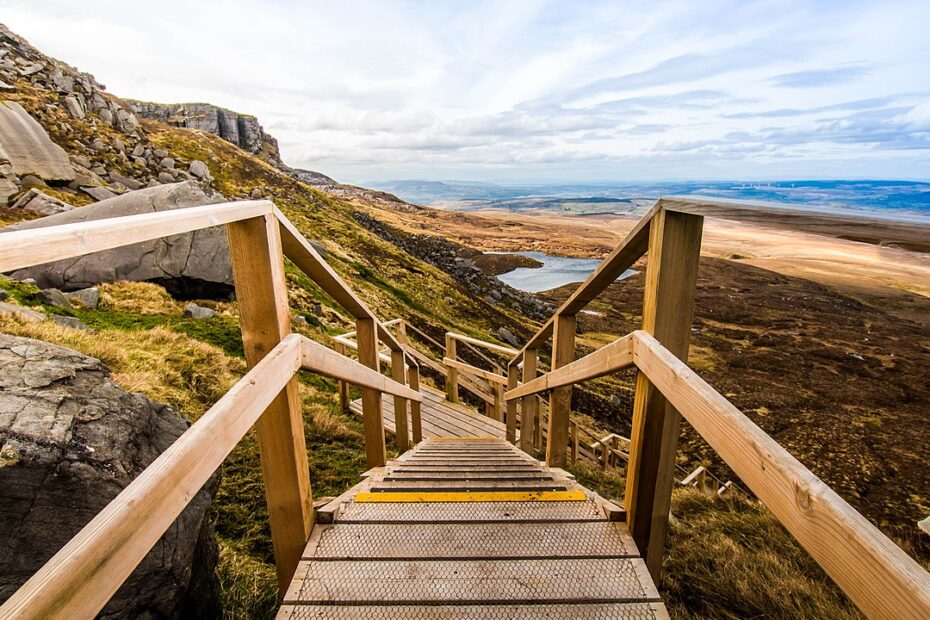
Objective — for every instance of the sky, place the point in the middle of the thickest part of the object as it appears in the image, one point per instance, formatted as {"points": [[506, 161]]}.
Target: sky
{"points": [[530, 91]]}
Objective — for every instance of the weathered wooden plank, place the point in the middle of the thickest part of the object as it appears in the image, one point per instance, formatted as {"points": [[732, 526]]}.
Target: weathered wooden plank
{"points": [[372, 419], [474, 370], [261, 293], [668, 305], [24, 248], [490, 346], [560, 399], [882, 580], [609, 358]]}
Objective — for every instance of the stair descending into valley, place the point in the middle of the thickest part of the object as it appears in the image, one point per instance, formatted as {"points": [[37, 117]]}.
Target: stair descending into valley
{"points": [[470, 527]]}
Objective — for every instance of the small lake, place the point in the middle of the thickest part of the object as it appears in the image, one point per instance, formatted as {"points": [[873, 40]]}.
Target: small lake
{"points": [[556, 271]]}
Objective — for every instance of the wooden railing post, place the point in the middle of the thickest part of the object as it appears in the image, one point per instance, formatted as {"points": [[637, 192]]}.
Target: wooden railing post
{"points": [[528, 404], [399, 374], [261, 292], [452, 375], [668, 306], [372, 416], [512, 381], [560, 399], [574, 433], [413, 380], [343, 385]]}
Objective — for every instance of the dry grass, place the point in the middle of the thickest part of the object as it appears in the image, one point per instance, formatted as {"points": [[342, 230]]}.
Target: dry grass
{"points": [[165, 366], [138, 298], [730, 558], [248, 587]]}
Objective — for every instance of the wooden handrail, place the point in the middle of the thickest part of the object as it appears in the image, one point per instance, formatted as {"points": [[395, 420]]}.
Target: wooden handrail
{"points": [[86, 572], [607, 359], [882, 580], [308, 260], [490, 346], [475, 371], [79, 580], [24, 248], [327, 362]]}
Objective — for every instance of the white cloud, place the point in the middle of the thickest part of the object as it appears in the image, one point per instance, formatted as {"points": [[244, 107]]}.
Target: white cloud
{"points": [[530, 89]]}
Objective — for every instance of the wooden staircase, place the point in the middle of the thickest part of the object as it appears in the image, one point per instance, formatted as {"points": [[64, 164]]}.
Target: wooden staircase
{"points": [[470, 527]]}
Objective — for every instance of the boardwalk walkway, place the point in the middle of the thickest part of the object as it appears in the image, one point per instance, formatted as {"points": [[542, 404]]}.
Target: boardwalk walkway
{"points": [[441, 418], [470, 528]]}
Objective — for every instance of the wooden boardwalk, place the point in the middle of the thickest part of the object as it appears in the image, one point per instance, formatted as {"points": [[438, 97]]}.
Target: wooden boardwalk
{"points": [[470, 528], [440, 418]]}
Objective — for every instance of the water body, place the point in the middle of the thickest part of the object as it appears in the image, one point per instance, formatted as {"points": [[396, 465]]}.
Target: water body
{"points": [[556, 271]]}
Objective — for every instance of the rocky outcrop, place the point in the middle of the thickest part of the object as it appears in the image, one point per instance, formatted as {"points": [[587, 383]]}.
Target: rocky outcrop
{"points": [[70, 441], [242, 130], [25, 145], [192, 265]]}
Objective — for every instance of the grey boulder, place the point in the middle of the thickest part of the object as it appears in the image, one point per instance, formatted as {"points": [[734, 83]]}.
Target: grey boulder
{"points": [[37, 201], [70, 441], [194, 311], [26, 145], [190, 265]]}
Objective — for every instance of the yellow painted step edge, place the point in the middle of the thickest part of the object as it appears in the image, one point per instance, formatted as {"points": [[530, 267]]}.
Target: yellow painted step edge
{"points": [[408, 497], [467, 438]]}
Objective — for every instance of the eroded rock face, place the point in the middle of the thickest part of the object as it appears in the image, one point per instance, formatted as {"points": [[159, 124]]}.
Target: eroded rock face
{"points": [[191, 265], [70, 441]]}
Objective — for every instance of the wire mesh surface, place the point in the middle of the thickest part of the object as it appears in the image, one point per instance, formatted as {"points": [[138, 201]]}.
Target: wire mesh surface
{"points": [[469, 581], [472, 540], [474, 512], [596, 611]]}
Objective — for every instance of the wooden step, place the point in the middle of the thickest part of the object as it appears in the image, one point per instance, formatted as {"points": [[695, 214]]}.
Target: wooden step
{"points": [[470, 540], [616, 580], [522, 512], [550, 611]]}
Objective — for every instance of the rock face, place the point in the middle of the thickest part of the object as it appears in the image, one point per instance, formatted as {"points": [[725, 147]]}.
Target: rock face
{"points": [[37, 201], [70, 441], [242, 130], [27, 147], [192, 265]]}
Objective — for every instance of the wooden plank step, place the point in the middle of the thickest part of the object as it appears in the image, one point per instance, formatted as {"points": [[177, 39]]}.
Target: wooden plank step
{"points": [[490, 495], [471, 485], [576, 611], [615, 580], [473, 540], [446, 476], [474, 512]]}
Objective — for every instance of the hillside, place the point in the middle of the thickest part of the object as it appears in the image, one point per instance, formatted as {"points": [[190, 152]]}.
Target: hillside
{"points": [[389, 253]]}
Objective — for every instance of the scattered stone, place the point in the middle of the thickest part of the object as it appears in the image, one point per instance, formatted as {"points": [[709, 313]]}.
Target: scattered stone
{"points": [[31, 180], [31, 69], [165, 177], [62, 82], [70, 321], [29, 281], [130, 183], [317, 308], [98, 192], [80, 160], [87, 297], [199, 169], [505, 335], [616, 401], [4, 295], [160, 153], [73, 106], [300, 320], [320, 249], [37, 201], [27, 314], [27, 146], [139, 151], [256, 194], [77, 439], [194, 311], [53, 297], [7, 88], [166, 163], [8, 189], [924, 525], [105, 115]]}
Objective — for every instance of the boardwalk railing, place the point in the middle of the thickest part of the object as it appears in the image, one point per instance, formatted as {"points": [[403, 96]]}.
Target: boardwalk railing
{"points": [[882, 580], [79, 580]]}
